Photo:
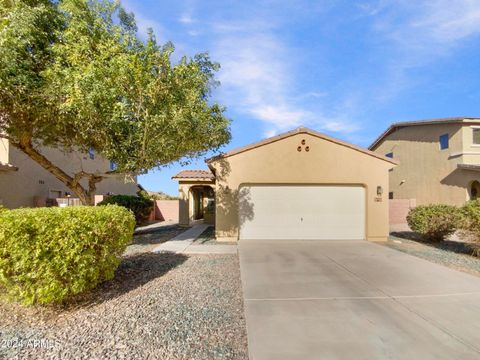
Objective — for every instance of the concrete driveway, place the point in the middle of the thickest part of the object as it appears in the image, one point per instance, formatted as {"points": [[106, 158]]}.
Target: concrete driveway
{"points": [[355, 300]]}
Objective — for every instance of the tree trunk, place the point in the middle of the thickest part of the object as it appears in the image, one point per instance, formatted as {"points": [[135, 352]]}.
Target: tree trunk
{"points": [[73, 183]]}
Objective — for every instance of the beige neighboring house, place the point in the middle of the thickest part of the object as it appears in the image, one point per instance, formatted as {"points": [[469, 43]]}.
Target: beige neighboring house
{"points": [[24, 183], [439, 160], [300, 185]]}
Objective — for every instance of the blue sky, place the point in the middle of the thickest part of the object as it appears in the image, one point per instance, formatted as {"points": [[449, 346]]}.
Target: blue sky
{"points": [[345, 68]]}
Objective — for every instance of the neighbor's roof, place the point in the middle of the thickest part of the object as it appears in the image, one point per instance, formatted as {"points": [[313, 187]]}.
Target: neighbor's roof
{"points": [[195, 174], [300, 130], [398, 125], [7, 167]]}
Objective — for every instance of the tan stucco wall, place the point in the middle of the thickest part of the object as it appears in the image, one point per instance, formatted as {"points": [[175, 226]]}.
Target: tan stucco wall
{"points": [[18, 189], [280, 163], [425, 172], [471, 152]]}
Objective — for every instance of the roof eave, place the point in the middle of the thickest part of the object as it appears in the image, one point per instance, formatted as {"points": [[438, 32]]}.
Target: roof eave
{"points": [[395, 126], [300, 130]]}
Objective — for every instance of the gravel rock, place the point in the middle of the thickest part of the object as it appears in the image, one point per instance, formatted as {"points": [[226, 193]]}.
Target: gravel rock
{"points": [[164, 306], [452, 253]]}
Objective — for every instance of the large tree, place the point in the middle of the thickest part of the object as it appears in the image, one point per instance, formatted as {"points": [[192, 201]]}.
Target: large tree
{"points": [[74, 75]]}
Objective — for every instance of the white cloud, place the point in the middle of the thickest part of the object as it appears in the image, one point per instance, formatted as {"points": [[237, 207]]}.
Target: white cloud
{"points": [[186, 18], [255, 76], [193, 32], [415, 34], [425, 28], [145, 23], [448, 21], [258, 73], [281, 116]]}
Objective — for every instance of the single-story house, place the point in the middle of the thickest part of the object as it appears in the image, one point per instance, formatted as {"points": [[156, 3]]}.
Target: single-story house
{"points": [[298, 185]]}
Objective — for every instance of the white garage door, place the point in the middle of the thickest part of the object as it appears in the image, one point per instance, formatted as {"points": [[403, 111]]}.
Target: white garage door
{"points": [[302, 212]]}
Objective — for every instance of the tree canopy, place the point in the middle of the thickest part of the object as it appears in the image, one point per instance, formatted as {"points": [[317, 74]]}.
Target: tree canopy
{"points": [[75, 75]]}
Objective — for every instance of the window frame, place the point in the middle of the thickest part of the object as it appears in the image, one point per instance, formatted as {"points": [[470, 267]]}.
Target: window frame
{"points": [[442, 144], [475, 128]]}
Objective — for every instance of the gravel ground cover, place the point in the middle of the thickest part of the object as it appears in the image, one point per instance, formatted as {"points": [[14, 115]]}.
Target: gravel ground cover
{"points": [[452, 253], [147, 240], [208, 238], [159, 306]]}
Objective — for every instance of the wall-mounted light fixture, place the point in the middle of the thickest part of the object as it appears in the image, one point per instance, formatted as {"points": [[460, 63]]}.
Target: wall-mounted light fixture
{"points": [[379, 190]]}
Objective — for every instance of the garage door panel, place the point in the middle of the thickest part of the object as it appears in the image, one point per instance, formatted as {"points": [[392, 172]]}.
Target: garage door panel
{"points": [[303, 212]]}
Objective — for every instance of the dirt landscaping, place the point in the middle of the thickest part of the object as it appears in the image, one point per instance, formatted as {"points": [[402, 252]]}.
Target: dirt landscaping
{"points": [[453, 253], [164, 306]]}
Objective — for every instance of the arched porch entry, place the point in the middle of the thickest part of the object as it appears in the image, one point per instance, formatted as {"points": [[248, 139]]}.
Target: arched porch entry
{"points": [[202, 203], [474, 190], [197, 196]]}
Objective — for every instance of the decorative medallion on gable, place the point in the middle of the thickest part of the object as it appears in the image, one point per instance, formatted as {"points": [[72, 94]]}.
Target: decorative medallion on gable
{"points": [[303, 146]]}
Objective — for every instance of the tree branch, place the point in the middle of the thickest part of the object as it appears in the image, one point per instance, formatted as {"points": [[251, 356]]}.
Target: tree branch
{"points": [[73, 183]]}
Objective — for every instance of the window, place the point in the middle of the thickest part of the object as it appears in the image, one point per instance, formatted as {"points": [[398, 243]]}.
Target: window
{"points": [[91, 154], [443, 141], [476, 136], [113, 166], [390, 195], [390, 155]]}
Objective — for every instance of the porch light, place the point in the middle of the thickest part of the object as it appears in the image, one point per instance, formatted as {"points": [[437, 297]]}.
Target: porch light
{"points": [[379, 190]]}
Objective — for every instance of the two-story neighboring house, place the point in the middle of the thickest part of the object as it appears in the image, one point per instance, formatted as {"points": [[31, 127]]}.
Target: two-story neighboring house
{"points": [[439, 160], [24, 183]]}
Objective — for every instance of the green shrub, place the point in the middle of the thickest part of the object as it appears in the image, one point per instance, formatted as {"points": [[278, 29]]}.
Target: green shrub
{"points": [[434, 222], [50, 254], [140, 206], [470, 224]]}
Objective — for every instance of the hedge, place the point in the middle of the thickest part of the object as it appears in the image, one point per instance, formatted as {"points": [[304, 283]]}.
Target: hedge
{"points": [[50, 254], [139, 205], [434, 222]]}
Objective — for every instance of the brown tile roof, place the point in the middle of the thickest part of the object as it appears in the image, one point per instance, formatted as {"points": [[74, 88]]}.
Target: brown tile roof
{"points": [[7, 167], [395, 126], [300, 130], [195, 174]]}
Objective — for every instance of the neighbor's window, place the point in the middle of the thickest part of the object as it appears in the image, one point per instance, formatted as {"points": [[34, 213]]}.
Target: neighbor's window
{"points": [[113, 166], [476, 136], [443, 141], [390, 155]]}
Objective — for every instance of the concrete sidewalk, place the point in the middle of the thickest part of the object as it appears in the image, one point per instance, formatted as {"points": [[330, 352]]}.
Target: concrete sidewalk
{"points": [[183, 243], [180, 242]]}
